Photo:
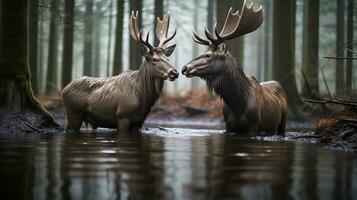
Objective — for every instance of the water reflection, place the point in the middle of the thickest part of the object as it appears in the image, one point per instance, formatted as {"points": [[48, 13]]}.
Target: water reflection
{"points": [[170, 166]]}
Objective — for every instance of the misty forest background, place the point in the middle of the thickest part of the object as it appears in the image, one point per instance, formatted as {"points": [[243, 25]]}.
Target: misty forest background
{"points": [[72, 38]]}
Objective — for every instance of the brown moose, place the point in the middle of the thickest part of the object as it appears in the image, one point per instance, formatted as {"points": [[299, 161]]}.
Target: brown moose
{"points": [[123, 101], [248, 106]]}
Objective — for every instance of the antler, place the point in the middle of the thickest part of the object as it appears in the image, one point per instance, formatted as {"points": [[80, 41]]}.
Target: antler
{"points": [[135, 33], [162, 28], [236, 24]]}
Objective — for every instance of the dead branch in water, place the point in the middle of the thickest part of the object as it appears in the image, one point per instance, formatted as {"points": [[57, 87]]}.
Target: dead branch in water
{"points": [[192, 111], [349, 120], [326, 101], [341, 58]]}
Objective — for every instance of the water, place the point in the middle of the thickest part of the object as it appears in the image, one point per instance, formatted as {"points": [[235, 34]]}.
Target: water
{"points": [[171, 164]]}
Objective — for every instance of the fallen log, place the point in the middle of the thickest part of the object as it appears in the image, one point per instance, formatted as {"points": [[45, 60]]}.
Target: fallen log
{"points": [[341, 58], [191, 111], [326, 101]]}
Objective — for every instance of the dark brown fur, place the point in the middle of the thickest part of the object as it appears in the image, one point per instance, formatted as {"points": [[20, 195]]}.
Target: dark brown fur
{"points": [[121, 101], [249, 106]]}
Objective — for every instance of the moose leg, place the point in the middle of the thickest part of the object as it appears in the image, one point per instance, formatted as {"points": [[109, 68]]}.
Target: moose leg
{"points": [[253, 129], [231, 125], [75, 120], [282, 125], [123, 125], [135, 129]]}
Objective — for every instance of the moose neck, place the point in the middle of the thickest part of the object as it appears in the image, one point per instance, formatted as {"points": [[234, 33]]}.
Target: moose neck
{"points": [[232, 86], [151, 87]]}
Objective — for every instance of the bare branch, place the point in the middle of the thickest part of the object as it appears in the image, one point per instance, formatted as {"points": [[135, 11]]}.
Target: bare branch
{"points": [[325, 101], [60, 13], [341, 58]]}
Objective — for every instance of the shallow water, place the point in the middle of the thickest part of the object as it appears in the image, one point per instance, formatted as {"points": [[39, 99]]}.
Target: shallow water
{"points": [[171, 164]]}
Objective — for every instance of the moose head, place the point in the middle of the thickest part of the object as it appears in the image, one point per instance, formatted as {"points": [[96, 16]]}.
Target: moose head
{"points": [[156, 58], [214, 60]]}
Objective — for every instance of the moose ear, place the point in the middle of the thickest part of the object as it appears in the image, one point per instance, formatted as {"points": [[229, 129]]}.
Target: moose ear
{"points": [[169, 50], [144, 50], [222, 49]]}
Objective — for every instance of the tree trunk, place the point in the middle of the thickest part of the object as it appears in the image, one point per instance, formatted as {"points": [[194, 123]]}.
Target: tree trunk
{"points": [[235, 46], [33, 39], [260, 55], [340, 44], [51, 83], [349, 71], [158, 12], [210, 14], [311, 63], [135, 57], [267, 44], [118, 49], [194, 80], [19, 110], [96, 56], [0, 22], [41, 65], [283, 52], [88, 39], [109, 36], [67, 59], [304, 49], [305, 5], [210, 25]]}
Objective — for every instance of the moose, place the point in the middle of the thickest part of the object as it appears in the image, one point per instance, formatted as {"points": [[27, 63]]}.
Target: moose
{"points": [[249, 107], [123, 101]]}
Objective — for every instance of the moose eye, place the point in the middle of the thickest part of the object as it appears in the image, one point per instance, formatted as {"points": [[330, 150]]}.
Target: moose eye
{"points": [[207, 55]]}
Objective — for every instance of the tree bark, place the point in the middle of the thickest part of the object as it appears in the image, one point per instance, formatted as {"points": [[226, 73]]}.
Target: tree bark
{"points": [[305, 5], [267, 44], [96, 56], [340, 44], [52, 69], [118, 49], [88, 39], [194, 80], [33, 39], [109, 48], [210, 14], [19, 110], [260, 66], [349, 72], [67, 56], [41, 65], [158, 12], [135, 57], [311, 51], [283, 52]]}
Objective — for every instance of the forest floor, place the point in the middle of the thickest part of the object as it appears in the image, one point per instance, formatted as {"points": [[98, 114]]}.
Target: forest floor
{"points": [[204, 110], [338, 129]]}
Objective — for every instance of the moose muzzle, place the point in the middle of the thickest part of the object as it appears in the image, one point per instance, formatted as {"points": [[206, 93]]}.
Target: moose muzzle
{"points": [[188, 70], [172, 74]]}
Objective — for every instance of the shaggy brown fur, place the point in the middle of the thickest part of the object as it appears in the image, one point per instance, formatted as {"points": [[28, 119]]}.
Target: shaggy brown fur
{"points": [[125, 100], [249, 106], [121, 101]]}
